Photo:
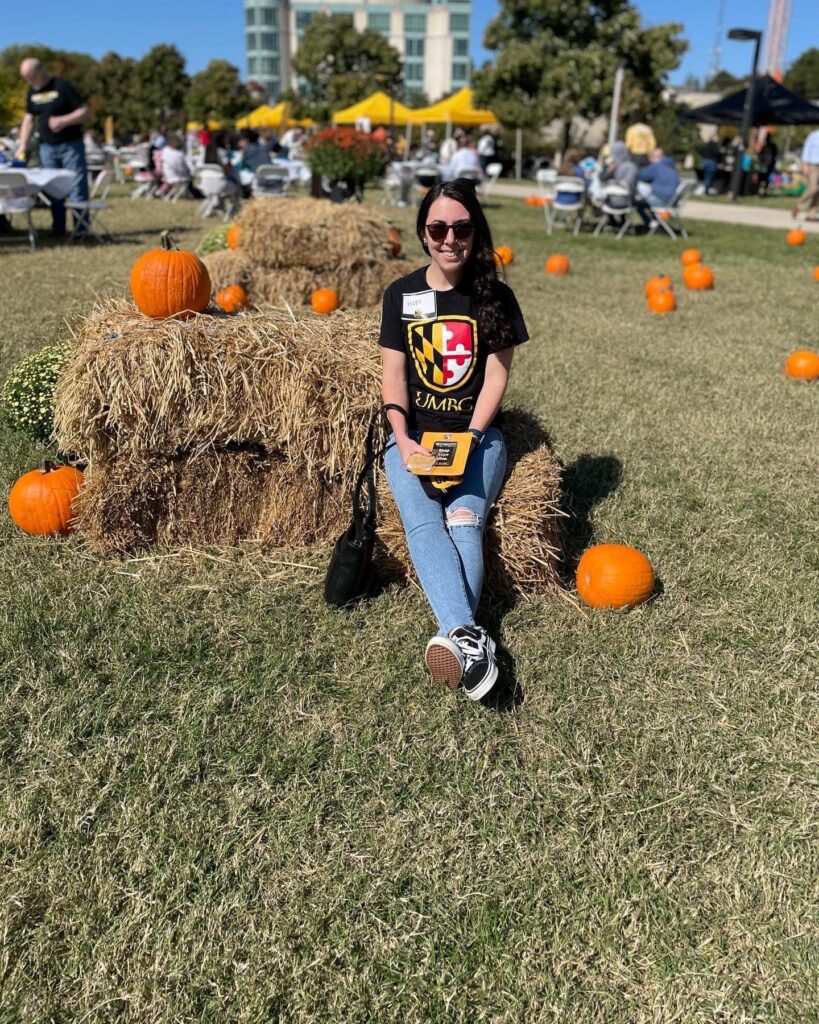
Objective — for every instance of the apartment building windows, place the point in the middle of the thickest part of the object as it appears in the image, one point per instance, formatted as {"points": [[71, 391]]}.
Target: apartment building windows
{"points": [[460, 47], [250, 16], [414, 48], [459, 23], [415, 23], [378, 21], [269, 40]]}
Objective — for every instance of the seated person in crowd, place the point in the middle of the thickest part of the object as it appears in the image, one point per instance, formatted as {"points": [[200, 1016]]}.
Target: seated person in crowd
{"points": [[94, 153], [465, 158], [661, 174], [175, 168], [620, 170], [569, 168], [253, 152]]}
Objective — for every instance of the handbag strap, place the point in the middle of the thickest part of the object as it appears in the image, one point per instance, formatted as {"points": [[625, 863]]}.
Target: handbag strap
{"points": [[372, 455]]}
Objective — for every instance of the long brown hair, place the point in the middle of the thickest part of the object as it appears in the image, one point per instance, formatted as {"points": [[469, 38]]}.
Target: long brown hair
{"points": [[481, 269]]}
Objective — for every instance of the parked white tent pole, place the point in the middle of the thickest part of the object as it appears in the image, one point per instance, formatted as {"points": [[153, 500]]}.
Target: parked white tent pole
{"points": [[615, 105], [518, 152]]}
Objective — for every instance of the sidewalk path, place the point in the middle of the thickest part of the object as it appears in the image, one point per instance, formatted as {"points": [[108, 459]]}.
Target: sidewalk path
{"points": [[725, 213]]}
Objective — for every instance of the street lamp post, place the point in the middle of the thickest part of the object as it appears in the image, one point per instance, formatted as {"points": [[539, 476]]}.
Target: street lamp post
{"points": [[745, 35]]}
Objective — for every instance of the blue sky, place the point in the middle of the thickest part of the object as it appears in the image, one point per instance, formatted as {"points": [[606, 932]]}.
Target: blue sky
{"points": [[204, 29]]}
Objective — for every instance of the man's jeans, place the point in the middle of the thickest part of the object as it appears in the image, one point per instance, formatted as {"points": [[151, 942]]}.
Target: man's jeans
{"points": [[445, 536], [71, 157]]}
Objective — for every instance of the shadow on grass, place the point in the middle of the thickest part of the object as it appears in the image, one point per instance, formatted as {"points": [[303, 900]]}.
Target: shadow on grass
{"points": [[584, 483]]}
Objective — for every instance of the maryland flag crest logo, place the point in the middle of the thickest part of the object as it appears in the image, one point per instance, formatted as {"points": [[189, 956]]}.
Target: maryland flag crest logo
{"points": [[444, 350]]}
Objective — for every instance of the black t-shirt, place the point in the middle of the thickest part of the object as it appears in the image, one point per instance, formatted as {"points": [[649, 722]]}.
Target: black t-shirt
{"points": [[446, 358], [56, 98]]}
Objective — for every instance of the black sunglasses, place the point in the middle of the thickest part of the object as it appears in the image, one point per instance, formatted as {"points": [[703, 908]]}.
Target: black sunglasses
{"points": [[438, 230]]}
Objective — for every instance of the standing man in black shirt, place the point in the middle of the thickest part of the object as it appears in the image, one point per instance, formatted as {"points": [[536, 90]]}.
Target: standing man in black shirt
{"points": [[59, 113]]}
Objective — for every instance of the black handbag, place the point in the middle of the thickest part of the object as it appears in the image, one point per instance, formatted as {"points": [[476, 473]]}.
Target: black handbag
{"points": [[351, 574]]}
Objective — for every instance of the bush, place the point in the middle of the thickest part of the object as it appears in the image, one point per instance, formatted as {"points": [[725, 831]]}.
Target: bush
{"points": [[344, 154], [27, 396], [213, 241]]}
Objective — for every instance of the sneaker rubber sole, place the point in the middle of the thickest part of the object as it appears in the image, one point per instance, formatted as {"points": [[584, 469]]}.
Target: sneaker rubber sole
{"points": [[484, 686], [444, 662]]}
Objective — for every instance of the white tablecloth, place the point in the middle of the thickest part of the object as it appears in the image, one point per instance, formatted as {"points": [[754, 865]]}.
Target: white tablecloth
{"points": [[55, 183]]}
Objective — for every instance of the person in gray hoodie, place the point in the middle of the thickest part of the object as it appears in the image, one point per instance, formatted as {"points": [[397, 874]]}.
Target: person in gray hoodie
{"points": [[621, 170]]}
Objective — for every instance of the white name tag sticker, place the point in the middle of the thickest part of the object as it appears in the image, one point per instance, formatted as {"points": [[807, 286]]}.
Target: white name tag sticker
{"points": [[419, 306]]}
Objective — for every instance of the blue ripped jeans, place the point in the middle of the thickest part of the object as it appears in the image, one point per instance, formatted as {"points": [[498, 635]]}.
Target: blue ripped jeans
{"points": [[445, 535]]}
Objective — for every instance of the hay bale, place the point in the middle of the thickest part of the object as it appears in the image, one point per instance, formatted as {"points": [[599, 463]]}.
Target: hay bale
{"points": [[358, 285], [301, 384], [217, 497], [226, 267], [522, 541], [311, 233]]}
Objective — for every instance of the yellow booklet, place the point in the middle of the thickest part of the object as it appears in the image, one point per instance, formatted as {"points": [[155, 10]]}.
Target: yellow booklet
{"points": [[448, 458]]}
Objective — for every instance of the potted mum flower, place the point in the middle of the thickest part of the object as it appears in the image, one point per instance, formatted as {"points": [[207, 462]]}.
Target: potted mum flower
{"points": [[347, 159]]}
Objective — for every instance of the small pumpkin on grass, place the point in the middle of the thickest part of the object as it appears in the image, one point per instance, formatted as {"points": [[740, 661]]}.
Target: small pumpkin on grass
{"points": [[796, 236], [394, 239], [324, 300], [689, 256], [40, 501], [657, 283], [614, 576], [816, 273], [232, 299], [662, 302], [504, 255], [169, 282], [698, 277], [557, 264], [803, 365], [234, 236]]}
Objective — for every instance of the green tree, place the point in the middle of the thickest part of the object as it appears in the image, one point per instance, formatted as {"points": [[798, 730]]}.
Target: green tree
{"points": [[217, 92], [341, 65], [724, 81], [558, 59], [116, 94], [12, 98], [161, 87], [803, 75]]}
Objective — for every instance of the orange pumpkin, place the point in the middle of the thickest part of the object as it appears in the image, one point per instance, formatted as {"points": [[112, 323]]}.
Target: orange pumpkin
{"points": [[614, 576], [166, 282], [394, 239], [796, 236], [557, 264], [803, 365], [816, 273], [689, 256], [698, 277], [662, 302], [658, 283], [530, 200], [40, 501], [504, 254], [324, 300], [232, 299], [233, 236]]}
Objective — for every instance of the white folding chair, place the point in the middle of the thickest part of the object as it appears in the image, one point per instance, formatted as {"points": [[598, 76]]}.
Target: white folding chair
{"points": [[617, 205], [270, 180], [390, 186], [15, 198], [212, 182], [471, 174], [668, 217], [91, 209], [568, 210], [176, 190], [545, 179], [493, 172]]}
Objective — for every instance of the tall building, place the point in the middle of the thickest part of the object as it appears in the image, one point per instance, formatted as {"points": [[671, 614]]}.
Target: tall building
{"points": [[432, 37]]}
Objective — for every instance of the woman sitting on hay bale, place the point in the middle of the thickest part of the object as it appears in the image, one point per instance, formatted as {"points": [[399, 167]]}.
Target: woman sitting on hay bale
{"points": [[448, 334]]}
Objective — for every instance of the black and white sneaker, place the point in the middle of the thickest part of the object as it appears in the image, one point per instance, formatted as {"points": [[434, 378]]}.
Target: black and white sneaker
{"points": [[444, 661], [480, 668]]}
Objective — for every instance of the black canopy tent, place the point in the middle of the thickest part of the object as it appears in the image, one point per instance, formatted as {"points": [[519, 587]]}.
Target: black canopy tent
{"points": [[773, 104]]}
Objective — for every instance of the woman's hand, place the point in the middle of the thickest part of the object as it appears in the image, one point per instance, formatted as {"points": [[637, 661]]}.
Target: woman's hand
{"points": [[407, 447]]}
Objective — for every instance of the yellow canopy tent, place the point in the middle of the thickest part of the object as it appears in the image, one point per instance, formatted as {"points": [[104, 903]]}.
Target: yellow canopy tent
{"points": [[197, 126], [455, 109], [379, 108], [272, 117]]}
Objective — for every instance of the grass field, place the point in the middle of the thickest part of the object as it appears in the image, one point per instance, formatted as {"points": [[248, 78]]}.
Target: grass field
{"points": [[222, 801]]}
